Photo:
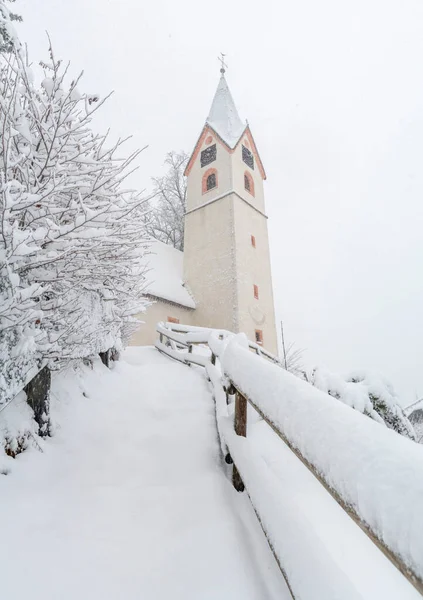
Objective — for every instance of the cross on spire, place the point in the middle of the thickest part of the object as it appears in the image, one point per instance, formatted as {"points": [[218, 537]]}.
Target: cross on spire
{"points": [[223, 65]]}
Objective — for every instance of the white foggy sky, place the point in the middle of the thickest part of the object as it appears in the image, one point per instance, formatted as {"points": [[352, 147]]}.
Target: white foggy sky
{"points": [[333, 92]]}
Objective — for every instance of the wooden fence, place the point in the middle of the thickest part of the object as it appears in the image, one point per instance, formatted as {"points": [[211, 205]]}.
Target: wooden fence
{"points": [[180, 343]]}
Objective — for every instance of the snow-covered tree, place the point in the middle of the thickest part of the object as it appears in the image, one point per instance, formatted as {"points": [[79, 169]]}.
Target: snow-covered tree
{"points": [[7, 33], [71, 235], [415, 416], [165, 221], [369, 394]]}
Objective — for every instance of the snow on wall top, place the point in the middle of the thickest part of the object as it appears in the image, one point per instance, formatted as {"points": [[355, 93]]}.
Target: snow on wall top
{"points": [[164, 276], [223, 116]]}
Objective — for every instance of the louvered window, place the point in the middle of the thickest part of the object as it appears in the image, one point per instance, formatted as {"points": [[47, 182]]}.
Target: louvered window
{"points": [[208, 155], [247, 157]]}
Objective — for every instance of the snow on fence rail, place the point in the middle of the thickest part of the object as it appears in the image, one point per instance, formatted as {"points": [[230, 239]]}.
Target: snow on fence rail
{"points": [[187, 336], [375, 474]]}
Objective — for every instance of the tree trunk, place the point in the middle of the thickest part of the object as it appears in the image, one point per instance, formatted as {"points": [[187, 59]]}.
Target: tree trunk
{"points": [[114, 354], [109, 356], [38, 398], [104, 357]]}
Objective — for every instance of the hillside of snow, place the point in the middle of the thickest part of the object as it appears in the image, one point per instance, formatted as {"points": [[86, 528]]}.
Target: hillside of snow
{"points": [[129, 498]]}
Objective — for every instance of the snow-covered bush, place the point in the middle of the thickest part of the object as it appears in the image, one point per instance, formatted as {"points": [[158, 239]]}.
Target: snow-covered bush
{"points": [[70, 234], [369, 394], [17, 429]]}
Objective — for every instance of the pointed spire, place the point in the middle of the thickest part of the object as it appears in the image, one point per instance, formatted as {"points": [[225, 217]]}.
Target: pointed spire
{"points": [[223, 116]]}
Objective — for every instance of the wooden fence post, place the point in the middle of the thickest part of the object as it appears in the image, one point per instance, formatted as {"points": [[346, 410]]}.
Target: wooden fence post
{"points": [[228, 459], [190, 352], [240, 429], [230, 391]]}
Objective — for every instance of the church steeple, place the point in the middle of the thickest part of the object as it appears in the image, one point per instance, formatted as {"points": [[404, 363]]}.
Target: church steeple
{"points": [[226, 251], [223, 116]]}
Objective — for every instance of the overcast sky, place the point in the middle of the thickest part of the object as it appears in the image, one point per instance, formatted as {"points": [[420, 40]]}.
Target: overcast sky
{"points": [[333, 92]]}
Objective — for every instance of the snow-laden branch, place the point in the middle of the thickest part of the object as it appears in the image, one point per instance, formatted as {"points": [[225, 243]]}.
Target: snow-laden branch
{"points": [[71, 237]]}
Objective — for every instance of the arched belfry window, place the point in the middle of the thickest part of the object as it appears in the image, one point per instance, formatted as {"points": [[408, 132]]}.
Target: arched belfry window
{"points": [[249, 183], [210, 180]]}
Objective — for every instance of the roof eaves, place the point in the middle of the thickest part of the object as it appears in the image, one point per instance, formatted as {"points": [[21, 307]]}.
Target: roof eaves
{"points": [[194, 152], [261, 167], [167, 301]]}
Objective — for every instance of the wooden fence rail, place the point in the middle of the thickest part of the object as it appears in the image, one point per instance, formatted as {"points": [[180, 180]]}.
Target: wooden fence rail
{"points": [[240, 426]]}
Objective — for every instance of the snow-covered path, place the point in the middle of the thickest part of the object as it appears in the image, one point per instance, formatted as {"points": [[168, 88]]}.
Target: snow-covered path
{"points": [[130, 499]]}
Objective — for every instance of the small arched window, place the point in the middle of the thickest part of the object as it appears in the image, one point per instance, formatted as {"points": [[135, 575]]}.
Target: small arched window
{"points": [[211, 181], [249, 183]]}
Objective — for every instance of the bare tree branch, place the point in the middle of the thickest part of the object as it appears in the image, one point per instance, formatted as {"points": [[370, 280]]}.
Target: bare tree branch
{"points": [[165, 221]]}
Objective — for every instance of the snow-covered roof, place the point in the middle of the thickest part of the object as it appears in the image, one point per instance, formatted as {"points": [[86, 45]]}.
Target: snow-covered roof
{"points": [[165, 272], [223, 116]]}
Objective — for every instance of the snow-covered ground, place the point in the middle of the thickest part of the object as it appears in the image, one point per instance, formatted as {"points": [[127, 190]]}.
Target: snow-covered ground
{"points": [[318, 537], [129, 499]]}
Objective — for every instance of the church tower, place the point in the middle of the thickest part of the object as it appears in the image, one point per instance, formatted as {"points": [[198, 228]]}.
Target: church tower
{"points": [[226, 248]]}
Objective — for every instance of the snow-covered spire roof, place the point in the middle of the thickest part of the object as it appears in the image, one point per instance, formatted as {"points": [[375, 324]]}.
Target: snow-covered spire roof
{"points": [[223, 116]]}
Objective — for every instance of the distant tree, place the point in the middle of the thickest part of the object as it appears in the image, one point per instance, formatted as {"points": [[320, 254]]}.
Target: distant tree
{"points": [[369, 394], [414, 413], [165, 220], [292, 357]]}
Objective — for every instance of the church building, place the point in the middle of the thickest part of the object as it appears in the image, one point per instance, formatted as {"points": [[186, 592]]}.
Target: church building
{"points": [[223, 278]]}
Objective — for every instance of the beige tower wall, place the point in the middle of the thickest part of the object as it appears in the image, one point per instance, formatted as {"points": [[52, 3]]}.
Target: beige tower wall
{"points": [[253, 268], [209, 271], [220, 265], [159, 311]]}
